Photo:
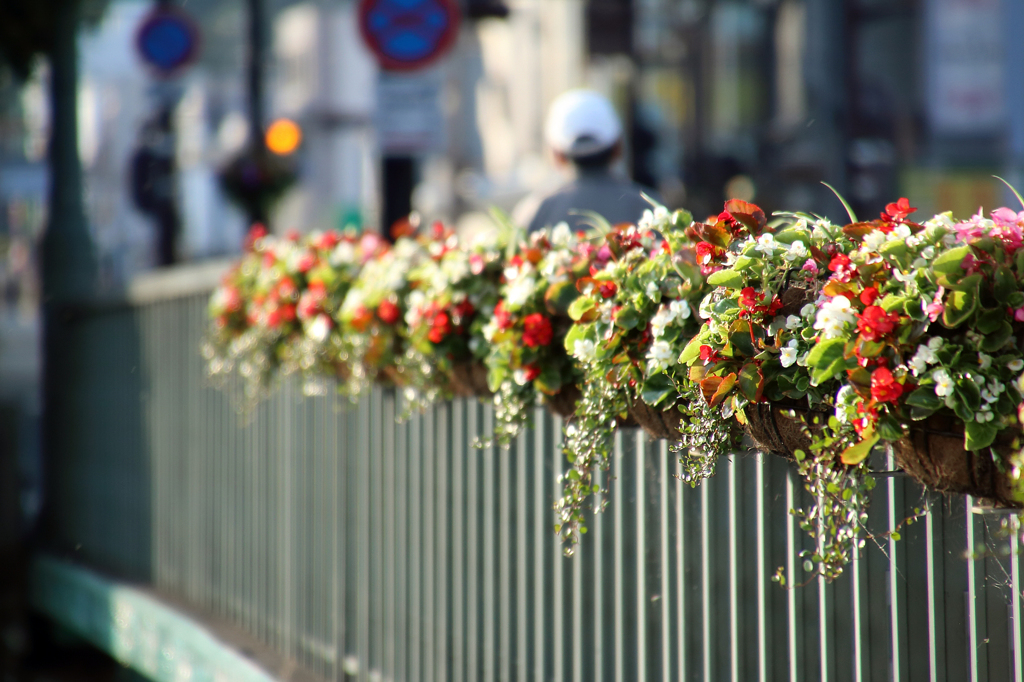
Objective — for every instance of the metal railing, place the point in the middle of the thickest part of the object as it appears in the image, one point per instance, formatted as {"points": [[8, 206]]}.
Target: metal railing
{"points": [[372, 550]]}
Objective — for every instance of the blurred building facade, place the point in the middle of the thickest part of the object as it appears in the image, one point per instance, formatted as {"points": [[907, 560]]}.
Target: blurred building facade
{"points": [[763, 99]]}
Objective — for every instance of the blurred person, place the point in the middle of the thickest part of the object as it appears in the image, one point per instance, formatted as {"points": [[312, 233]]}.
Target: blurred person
{"points": [[585, 135]]}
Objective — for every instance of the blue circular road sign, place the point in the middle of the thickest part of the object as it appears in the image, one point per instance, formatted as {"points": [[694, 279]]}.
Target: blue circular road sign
{"points": [[168, 40], [408, 34]]}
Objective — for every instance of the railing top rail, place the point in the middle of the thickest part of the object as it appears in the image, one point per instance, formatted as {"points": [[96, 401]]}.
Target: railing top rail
{"points": [[176, 282]]}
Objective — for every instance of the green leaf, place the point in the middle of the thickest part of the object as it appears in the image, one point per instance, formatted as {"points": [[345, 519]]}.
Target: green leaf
{"points": [[826, 360], [691, 352], [739, 338], [1005, 284], [580, 306], [855, 454], [627, 318], [656, 389], [892, 302], [751, 382], [968, 391], [960, 306], [948, 263], [727, 278], [978, 436], [559, 297], [849, 211], [577, 332], [989, 320], [997, 339], [889, 428], [923, 402]]}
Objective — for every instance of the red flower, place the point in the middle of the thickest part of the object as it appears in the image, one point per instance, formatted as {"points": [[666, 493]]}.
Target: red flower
{"points": [[328, 240], [842, 266], [440, 327], [361, 319], [502, 316], [317, 288], [476, 263], [607, 289], [388, 312], [531, 372], [307, 261], [462, 311], [898, 211], [869, 295], [286, 288], [874, 323], [536, 330], [709, 354], [309, 305], [884, 387], [292, 235], [257, 232], [707, 253]]}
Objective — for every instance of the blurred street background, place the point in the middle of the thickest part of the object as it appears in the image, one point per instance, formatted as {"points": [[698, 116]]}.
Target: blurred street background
{"points": [[758, 99]]}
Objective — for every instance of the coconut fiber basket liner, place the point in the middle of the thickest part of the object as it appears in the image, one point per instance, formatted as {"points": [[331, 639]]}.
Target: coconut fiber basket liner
{"points": [[656, 422], [563, 403], [468, 379], [932, 454]]}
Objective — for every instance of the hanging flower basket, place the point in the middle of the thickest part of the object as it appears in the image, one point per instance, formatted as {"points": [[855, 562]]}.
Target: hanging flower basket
{"points": [[468, 379], [660, 424]]}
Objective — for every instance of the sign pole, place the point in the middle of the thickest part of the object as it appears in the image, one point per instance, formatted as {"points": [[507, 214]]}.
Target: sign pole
{"points": [[406, 36]]}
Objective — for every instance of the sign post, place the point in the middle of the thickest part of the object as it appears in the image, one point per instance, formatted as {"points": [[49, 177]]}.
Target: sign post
{"points": [[407, 36]]}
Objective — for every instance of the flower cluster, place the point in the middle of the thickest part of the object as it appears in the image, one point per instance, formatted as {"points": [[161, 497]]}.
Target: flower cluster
{"points": [[526, 358], [275, 310], [636, 302]]}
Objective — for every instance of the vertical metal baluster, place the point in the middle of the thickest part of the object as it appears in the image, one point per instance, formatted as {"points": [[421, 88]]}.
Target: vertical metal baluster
{"points": [[640, 551], [705, 558], [762, 570], [681, 582], [970, 596], [794, 667], [460, 542], [559, 563], [523, 532], [620, 548], [431, 453], [734, 630], [665, 561], [443, 457]]}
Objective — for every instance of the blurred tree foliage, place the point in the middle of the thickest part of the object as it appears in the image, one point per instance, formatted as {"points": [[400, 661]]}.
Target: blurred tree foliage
{"points": [[27, 28]]}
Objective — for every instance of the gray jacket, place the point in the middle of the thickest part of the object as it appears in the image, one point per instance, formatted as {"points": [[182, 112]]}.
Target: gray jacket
{"points": [[618, 200]]}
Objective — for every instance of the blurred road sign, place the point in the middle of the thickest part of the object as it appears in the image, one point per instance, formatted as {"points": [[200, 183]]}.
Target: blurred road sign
{"points": [[409, 118], [167, 40], [408, 34]]}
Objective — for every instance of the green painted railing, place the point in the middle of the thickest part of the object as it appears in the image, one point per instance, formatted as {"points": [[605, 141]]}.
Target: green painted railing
{"points": [[370, 550]]}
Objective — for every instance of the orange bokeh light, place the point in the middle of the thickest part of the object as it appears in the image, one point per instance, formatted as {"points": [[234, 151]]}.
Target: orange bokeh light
{"points": [[283, 136]]}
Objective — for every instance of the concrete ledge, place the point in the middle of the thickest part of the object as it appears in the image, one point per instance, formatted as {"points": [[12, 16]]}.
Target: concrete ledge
{"points": [[136, 629], [177, 281]]}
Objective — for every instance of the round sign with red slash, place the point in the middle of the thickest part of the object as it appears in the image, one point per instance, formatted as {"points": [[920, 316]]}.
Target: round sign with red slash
{"points": [[408, 34]]}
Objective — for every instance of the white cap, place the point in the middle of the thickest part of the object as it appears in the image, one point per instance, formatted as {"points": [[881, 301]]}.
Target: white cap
{"points": [[581, 123]]}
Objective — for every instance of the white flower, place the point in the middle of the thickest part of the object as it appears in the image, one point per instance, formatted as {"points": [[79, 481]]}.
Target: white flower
{"points": [[520, 377], [935, 342], [662, 319], [344, 253], [984, 416], [767, 245], [654, 219], [520, 292], [984, 361], [789, 354], [922, 358], [562, 235], [844, 399], [796, 251], [793, 322], [943, 383], [680, 309], [490, 329], [900, 233], [1016, 365], [873, 240], [584, 349], [653, 291], [320, 328], [988, 396], [808, 310], [833, 317], [660, 355]]}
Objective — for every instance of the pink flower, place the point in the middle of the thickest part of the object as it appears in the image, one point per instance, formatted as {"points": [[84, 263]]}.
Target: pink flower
{"points": [[810, 266], [935, 308], [1018, 314], [1005, 217]]}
